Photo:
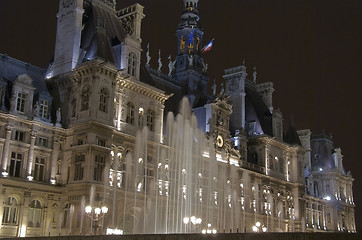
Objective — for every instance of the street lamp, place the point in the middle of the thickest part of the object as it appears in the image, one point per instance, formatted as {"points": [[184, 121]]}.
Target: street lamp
{"points": [[96, 212], [257, 226], [195, 221]]}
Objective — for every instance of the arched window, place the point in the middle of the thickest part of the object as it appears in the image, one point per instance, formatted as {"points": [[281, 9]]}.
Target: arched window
{"points": [[132, 64], [130, 113], [103, 97], [85, 98], [10, 211], [34, 217], [150, 119]]}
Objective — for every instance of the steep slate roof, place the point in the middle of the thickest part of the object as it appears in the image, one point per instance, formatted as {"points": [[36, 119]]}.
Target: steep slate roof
{"points": [[10, 68], [322, 150], [102, 31], [291, 136], [256, 110]]}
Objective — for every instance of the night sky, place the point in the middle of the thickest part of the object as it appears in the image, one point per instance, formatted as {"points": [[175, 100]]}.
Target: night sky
{"points": [[310, 49]]}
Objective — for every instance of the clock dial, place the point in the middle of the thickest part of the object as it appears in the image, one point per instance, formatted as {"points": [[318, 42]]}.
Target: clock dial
{"points": [[219, 141]]}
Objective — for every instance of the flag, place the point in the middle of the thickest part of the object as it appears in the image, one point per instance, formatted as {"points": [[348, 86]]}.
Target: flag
{"points": [[207, 47]]}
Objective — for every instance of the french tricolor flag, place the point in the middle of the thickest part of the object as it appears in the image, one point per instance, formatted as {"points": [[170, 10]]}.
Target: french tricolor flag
{"points": [[207, 47]]}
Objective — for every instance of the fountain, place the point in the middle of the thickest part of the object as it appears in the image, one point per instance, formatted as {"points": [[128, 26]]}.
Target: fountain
{"points": [[188, 187]]}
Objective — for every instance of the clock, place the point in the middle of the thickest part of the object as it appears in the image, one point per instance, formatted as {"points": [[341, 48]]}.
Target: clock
{"points": [[219, 141]]}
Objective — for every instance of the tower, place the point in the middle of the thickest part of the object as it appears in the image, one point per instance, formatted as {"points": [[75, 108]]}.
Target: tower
{"points": [[68, 36], [235, 88], [190, 68]]}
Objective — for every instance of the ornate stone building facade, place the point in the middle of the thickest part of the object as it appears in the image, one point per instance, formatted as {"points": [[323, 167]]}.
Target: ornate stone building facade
{"points": [[96, 128]]}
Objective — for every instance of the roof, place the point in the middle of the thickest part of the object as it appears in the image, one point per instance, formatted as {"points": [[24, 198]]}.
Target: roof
{"points": [[11, 68], [322, 149], [102, 30], [256, 110]]}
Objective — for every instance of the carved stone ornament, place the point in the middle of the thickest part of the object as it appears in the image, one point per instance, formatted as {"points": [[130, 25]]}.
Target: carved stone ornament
{"points": [[67, 3]]}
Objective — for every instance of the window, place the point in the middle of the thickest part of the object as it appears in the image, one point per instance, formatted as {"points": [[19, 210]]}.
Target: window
{"points": [[10, 211], [43, 141], [66, 213], [150, 119], [34, 216], [15, 164], [39, 169], [20, 102], [44, 109], [79, 167], [251, 128], [101, 142], [19, 136], [100, 162], [85, 99], [130, 113], [103, 100], [132, 64]]}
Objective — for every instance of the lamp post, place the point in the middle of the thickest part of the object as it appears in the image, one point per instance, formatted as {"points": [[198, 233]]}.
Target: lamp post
{"points": [[194, 221], [257, 227], [96, 212]]}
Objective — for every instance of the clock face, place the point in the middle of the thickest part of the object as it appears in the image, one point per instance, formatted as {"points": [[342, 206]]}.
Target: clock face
{"points": [[219, 141]]}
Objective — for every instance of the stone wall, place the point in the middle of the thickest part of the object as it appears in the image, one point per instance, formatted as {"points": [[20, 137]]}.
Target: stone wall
{"points": [[221, 236]]}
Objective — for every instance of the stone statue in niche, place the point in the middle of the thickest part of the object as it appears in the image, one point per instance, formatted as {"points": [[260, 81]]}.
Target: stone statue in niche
{"points": [[36, 109], [191, 60], [59, 116]]}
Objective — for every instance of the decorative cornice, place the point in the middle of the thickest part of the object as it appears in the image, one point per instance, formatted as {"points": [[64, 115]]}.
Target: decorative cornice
{"points": [[142, 88]]}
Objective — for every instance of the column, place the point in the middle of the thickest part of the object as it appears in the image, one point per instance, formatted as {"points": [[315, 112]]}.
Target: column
{"points": [[161, 122], [31, 155], [4, 164], [54, 160], [267, 160]]}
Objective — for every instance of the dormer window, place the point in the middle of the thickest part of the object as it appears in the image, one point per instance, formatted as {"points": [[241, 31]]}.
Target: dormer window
{"points": [[20, 102], [44, 109]]}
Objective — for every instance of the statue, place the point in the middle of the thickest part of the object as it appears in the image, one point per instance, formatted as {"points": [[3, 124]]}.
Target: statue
{"points": [[222, 88], [36, 109], [243, 62], [148, 57], [191, 60], [214, 88], [159, 61], [171, 65], [205, 67], [254, 74], [59, 116]]}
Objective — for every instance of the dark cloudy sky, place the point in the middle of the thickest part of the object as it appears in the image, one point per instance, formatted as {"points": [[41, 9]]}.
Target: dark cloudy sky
{"points": [[310, 49]]}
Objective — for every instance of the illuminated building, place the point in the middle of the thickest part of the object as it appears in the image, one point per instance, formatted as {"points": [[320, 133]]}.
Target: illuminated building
{"points": [[71, 134]]}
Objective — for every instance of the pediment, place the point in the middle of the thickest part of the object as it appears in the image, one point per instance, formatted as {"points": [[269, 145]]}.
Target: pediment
{"points": [[24, 79]]}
